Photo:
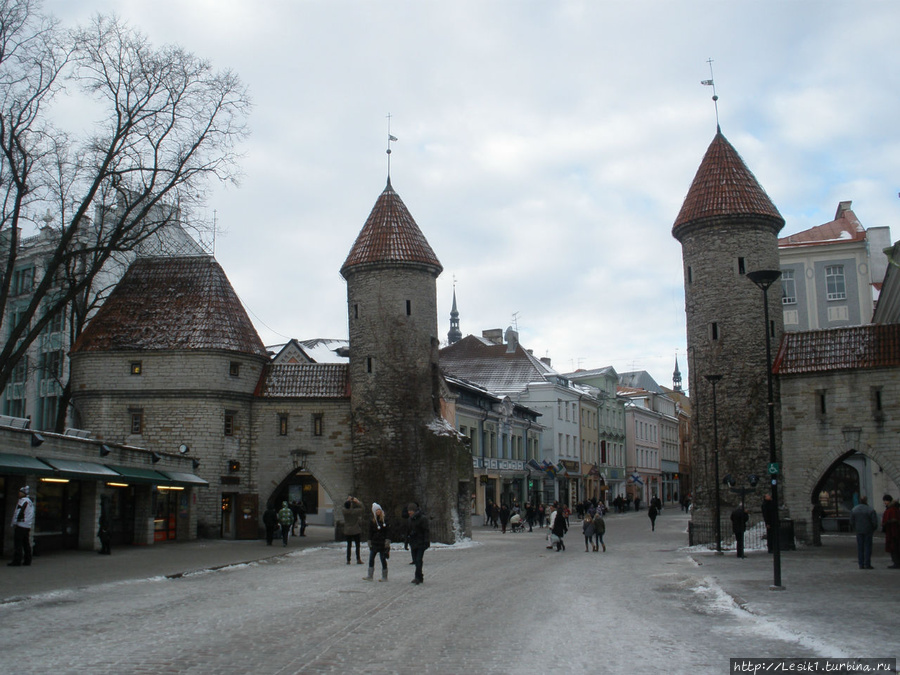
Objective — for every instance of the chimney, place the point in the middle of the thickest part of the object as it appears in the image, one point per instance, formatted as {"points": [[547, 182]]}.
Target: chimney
{"points": [[546, 361], [494, 335], [512, 340], [842, 208]]}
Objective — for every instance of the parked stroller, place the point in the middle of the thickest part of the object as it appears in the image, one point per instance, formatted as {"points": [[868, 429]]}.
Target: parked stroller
{"points": [[516, 523]]}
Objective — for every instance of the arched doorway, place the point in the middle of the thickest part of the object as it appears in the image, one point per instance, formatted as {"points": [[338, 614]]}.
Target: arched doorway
{"points": [[839, 489], [301, 486]]}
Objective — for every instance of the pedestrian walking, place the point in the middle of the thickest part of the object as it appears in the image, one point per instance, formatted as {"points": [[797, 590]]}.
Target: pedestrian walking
{"points": [[285, 519], [739, 518], [22, 522], [652, 512], [558, 528], [379, 544], [599, 531], [353, 511], [419, 539], [504, 518], [270, 520], [890, 525], [587, 529], [300, 511], [864, 522]]}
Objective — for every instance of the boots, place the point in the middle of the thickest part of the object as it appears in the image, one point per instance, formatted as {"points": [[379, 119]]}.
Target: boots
{"points": [[383, 574], [604, 548], [369, 574]]}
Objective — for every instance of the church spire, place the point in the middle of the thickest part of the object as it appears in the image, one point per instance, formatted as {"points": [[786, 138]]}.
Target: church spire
{"points": [[455, 334], [676, 378]]}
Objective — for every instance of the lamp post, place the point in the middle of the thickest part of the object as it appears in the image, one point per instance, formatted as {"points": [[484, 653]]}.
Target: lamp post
{"points": [[713, 380], [764, 280]]}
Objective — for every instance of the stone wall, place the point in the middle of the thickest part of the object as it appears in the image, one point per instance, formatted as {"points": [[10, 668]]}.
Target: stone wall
{"points": [[328, 456], [183, 397], [814, 441], [726, 336]]}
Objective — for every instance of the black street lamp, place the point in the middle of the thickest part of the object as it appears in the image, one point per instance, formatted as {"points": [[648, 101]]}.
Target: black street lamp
{"points": [[764, 280], [713, 380]]}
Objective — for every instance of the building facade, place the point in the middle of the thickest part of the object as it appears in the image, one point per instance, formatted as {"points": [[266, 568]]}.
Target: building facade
{"points": [[831, 274]]}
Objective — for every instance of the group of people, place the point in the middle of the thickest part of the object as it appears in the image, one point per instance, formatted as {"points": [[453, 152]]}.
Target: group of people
{"points": [[864, 521], [417, 539], [287, 518]]}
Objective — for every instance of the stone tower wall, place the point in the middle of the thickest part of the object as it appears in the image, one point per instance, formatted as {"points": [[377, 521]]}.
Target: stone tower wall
{"points": [[402, 452], [716, 254], [183, 396]]}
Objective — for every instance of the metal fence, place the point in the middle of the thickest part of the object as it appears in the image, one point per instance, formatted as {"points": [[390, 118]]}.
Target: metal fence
{"points": [[704, 534]]}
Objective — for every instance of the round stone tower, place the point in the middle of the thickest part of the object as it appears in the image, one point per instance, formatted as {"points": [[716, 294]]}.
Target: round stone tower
{"points": [[398, 457], [728, 227]]}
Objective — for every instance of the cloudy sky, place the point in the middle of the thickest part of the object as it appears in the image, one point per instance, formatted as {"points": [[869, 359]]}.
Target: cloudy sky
{"points": [[544, 148]]}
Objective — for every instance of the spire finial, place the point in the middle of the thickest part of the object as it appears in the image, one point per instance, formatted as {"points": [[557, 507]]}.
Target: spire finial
{"points": [[389, 140], [711, 82]]}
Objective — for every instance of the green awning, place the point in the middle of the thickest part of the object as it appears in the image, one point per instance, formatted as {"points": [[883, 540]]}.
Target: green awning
{"points": [[131, 474], [185, 479], [69, 468], [24, 465]]}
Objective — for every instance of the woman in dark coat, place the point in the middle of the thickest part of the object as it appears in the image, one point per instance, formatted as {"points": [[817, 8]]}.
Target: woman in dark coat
{"points": [[379, 544], [558, 527]]}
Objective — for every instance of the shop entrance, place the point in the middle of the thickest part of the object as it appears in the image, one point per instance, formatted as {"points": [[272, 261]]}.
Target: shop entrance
{"points": [[56, 515], [165, 519]]}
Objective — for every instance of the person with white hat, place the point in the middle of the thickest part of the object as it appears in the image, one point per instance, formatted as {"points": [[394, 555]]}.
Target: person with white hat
{"points": [[22, 522]]}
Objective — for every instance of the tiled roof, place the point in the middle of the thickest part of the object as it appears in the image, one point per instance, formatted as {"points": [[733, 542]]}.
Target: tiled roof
{"points": [[724, 186], [854, 347], [492, 366], [391, 235], [305, 380], [172, 303], [844, 228]]}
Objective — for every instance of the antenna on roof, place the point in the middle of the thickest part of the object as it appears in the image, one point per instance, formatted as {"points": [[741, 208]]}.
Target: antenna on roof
{"points": [[389, 139], [712, 83]]}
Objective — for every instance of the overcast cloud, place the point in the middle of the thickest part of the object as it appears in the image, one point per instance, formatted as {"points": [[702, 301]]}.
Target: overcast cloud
{"points": [[544, 148]]}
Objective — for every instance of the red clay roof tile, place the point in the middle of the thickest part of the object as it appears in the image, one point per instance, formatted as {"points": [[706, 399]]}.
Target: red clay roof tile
{"points": [[852, 347], [391, 235], [172, 303], [724, 186]]}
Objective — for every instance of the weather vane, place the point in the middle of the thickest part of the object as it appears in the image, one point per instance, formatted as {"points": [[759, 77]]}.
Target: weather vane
{"points": [[712, 83], [390, 138]]}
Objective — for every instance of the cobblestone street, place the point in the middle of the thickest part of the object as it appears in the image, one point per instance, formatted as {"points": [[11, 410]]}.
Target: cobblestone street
{"points": [[501, 604]]}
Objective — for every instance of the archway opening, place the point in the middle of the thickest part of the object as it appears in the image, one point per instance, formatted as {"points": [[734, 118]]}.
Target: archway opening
{"points": [[300, 486], [838, 491]]}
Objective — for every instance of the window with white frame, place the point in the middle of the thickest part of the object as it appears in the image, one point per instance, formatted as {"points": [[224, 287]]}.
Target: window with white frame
{"points": [[788, 288], [834, 282]]}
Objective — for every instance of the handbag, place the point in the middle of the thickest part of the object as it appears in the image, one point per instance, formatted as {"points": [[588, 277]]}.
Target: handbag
{"points": [[387, 549]]}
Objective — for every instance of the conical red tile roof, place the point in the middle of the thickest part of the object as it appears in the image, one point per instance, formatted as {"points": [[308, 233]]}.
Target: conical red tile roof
{"points": [[724, 186], [172, 303], [391, 235]]}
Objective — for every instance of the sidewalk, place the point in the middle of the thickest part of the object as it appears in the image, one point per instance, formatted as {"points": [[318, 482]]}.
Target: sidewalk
{"points": [[822, 584], [62, 570]]}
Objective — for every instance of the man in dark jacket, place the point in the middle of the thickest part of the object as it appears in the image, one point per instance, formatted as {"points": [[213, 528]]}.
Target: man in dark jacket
{"points": [[739, 518], [418, 539], [270, 520]]}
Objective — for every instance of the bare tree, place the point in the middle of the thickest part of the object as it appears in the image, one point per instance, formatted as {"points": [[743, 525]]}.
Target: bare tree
{"points": [[168, 125]]}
